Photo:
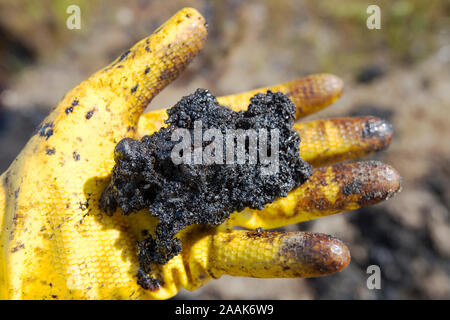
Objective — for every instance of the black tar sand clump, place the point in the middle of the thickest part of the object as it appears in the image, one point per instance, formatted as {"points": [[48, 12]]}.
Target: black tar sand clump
{"points": [[145, 176]]}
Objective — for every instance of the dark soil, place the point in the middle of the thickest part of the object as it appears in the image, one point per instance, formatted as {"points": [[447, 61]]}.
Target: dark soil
{"points": [[197, 192]]}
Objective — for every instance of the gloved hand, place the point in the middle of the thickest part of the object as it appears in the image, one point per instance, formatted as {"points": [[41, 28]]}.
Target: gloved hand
{"points": [[57, 244]]}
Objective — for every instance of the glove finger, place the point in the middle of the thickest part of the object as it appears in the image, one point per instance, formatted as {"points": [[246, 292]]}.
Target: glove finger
{"points": [[267, 255], [111, 100], [329, 190], [310, 94], [328, 141]]}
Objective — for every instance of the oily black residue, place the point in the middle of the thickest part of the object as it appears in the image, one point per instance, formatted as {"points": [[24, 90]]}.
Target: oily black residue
{"points": [[187, 193], [46, 130], [89, 114], [50, 151], [147, 282], [124, 55]]}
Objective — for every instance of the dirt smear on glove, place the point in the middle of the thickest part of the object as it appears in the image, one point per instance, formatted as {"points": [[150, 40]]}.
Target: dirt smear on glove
{"points": [[203, 176]]}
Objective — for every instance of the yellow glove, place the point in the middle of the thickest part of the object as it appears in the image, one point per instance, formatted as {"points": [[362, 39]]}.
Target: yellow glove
{"points": [[57, 244]]}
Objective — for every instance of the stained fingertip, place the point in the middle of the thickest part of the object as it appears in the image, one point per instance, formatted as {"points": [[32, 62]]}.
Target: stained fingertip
{"points": [[313, 254], [314, 92], [328, 141], [276, 254], [370, 181], [330, 190], [379, 131]]}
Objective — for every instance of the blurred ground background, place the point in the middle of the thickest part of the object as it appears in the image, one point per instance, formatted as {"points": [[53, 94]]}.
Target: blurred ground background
{"points": [[401, 73]]}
